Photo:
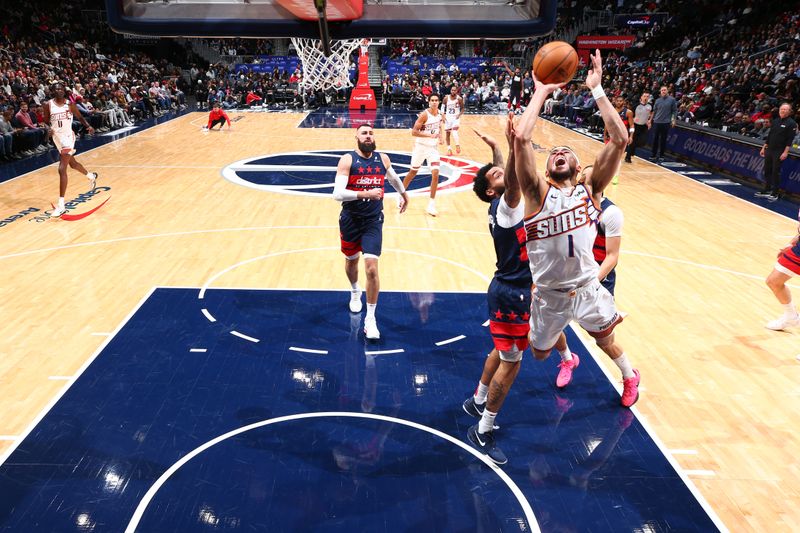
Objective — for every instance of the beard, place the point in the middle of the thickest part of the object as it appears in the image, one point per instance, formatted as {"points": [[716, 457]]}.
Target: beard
{"points": [[562, 175], [366, 147]]}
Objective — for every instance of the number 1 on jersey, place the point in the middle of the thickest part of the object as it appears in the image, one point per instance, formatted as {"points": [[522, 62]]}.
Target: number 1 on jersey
{"points": [[571, 246]]}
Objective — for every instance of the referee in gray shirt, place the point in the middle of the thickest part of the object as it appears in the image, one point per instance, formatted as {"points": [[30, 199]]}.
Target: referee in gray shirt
{"points": [[640, 118], [665, 109]]}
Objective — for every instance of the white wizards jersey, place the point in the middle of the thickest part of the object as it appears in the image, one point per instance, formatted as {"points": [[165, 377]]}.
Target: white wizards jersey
{"points": [[60, 118], [451, 107], [432, 125], [560, 238]]}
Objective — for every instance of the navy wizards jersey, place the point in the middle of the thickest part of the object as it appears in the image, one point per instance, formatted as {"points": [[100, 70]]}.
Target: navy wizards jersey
{"points": [[365, 174], [509, 245]]}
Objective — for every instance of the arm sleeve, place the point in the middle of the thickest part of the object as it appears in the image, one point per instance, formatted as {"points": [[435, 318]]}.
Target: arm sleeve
{"points": [[395, 180], [613, 221], [340, 191], [210, 120], [224, 114]]}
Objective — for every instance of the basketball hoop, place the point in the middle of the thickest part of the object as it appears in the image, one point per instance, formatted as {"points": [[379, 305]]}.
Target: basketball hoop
{"points": [[322, 71]]}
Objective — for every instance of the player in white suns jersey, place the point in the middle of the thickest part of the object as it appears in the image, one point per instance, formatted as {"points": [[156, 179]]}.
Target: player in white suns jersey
{"points": [[453, 107], [561, 217], [427, 133], [58, 113]]}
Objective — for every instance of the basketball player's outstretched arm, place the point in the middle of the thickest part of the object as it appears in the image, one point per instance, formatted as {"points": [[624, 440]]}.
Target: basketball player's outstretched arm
{"points": [[607, 162], [532, 185], [497, 154]]}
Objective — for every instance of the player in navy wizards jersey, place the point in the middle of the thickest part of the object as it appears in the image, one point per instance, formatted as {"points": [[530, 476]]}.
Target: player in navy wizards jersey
{"points": [[509, 295], [608, 240], [359, 186]]}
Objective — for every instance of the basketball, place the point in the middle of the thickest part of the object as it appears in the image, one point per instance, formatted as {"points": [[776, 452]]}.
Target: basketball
{"points": [[555, 62]]}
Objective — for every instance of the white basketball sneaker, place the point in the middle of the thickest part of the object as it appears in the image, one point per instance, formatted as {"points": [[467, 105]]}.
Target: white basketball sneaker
{"points": [[92, 177], [355, 301], [432, 208], [371, 329], [785, 321]]}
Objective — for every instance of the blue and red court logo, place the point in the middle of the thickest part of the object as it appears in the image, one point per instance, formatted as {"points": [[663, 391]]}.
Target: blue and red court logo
{"points": [[313, 172]]}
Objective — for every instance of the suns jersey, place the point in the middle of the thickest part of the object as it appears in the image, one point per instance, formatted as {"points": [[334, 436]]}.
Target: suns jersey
{"points": [[60, 118], [365, 173], [509, 243], [560, 238], [432, 125]]}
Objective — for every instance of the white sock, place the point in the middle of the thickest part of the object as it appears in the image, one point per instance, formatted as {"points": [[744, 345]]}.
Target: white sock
{"points": [[487, 421], [61, 202], [480, 393], [454, 133], [431, 202], [89, 175], [624, 365], [450, 147], [354, 286], [789, 310], [566, 355], [371, 310]]}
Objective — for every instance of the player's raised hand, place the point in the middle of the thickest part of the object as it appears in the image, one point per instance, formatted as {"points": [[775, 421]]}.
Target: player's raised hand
{"points": [[510, 130], [544, 89], [595, 75], [485, 138]]}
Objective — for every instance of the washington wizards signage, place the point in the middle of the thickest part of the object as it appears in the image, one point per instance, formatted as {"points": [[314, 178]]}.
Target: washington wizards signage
{"points": [[312, 173]]}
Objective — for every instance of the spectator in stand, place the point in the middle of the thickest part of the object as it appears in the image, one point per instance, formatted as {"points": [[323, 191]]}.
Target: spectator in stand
{"points": [[7, 141], [776, 150], [34, 136]]}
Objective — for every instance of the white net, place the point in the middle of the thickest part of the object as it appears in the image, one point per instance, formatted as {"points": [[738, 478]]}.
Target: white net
{"points": [[321, 71]]}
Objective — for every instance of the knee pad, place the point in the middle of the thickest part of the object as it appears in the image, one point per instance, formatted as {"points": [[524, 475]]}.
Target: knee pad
{"points": [[511, 356]]}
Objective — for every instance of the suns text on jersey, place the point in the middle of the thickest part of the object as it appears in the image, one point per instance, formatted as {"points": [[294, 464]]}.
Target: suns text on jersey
{"points": [[563, 222]]}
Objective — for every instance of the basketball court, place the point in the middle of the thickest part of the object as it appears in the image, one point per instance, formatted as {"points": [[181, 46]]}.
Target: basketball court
{"points": [[183, 358]]}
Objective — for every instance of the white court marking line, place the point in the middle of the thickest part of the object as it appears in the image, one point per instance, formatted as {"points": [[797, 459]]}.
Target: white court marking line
{"points": [[201, 294], [213, 278], [695, 181], [208, 315], [198, 350], [243, 336], [100, 334], [700, 473], [156, 166], [395, 228], [384, 352], [148, 497], [683, 452], [485, 324], [308, 350], [80, 371], [9, 437], [60, 378], [448, 341], [126, 137], [712, 514]]}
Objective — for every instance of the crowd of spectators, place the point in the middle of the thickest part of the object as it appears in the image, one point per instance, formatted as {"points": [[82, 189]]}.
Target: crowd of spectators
{"points": [[729, 65], [112, 85]]}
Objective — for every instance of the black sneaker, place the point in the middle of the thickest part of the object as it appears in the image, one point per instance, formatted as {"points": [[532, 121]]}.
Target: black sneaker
{"points": [[772, 197], [484, 442], [472, 408]]}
